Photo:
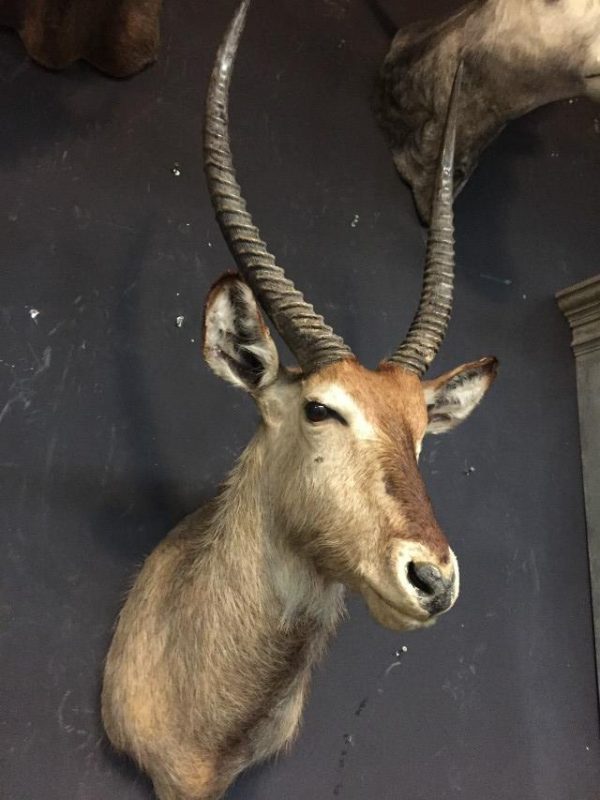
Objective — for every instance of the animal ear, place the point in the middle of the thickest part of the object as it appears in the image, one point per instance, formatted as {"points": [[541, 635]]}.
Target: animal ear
{"points": [[237, 343], [451, 397]]}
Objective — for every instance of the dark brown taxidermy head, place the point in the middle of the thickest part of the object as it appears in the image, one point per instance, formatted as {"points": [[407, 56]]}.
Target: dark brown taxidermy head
{"points": [[118, 37]]}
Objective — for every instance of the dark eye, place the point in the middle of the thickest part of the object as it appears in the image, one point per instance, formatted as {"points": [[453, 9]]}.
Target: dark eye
{"points": [[317, 412]]}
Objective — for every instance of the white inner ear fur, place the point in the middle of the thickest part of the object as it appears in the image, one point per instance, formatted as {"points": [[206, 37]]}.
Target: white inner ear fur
{"points": [[224, 324], [450, 402]]}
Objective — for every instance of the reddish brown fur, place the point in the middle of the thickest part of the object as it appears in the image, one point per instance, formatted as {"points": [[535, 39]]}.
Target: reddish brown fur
{"points": [[393, 401]]}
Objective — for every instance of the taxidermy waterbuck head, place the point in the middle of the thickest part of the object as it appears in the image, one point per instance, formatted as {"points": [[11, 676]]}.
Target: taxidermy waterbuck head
{"points": [[517, 55], [212, 654], [341, 441]]}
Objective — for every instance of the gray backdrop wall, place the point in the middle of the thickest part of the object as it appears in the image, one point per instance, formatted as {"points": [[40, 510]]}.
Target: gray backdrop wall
{"points": [[111, 427]]}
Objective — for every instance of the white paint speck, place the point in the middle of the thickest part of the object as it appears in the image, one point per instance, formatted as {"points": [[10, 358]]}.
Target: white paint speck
{"points": [[179, 321], [34, 313], [495, 279], [391, 667], [355, 221], [176, 169]]}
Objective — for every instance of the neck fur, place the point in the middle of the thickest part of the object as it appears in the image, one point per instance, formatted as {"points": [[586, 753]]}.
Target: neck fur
{"points": [[257, 553]]}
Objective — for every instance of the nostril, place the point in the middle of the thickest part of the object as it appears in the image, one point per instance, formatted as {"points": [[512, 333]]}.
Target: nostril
{"points": [[425, 577]]}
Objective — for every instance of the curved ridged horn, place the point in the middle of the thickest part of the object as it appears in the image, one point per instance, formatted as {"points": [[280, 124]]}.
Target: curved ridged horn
{"points": [[430, 323], [304, 331]]}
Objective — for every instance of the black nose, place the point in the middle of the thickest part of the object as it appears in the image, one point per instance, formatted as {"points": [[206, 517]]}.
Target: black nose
{"points": [[435, 591]]}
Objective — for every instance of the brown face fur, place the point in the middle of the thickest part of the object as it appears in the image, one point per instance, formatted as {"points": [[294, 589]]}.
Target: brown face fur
{"points": [[349, 493], [344, 491]]}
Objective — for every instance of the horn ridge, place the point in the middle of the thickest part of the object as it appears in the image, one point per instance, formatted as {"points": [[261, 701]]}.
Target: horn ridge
{"points": [[310, 339], [430, 322]]}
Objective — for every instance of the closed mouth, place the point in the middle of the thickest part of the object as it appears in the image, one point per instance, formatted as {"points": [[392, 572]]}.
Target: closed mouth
{"points": [[410, 614]]}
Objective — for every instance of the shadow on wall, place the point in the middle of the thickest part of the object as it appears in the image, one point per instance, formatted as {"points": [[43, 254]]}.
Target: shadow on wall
{"points": [[163, 502], [248, 785], [48, 107], [392, 15], [75, 102], [488, 207]]}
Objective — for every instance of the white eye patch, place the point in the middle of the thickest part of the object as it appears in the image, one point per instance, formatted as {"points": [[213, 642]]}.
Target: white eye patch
{"points": [[339, 400]]}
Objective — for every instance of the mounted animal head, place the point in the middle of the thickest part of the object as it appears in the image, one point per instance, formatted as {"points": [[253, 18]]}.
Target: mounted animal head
{"points": [[340, 442], [517, 55], [118, 37]]}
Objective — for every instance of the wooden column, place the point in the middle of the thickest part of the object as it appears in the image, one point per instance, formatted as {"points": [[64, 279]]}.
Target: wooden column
{"points": [[581, 306]]}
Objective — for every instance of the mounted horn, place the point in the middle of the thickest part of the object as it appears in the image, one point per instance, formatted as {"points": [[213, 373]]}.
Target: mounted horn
{"points": [[304, 331], [430, 323]]}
